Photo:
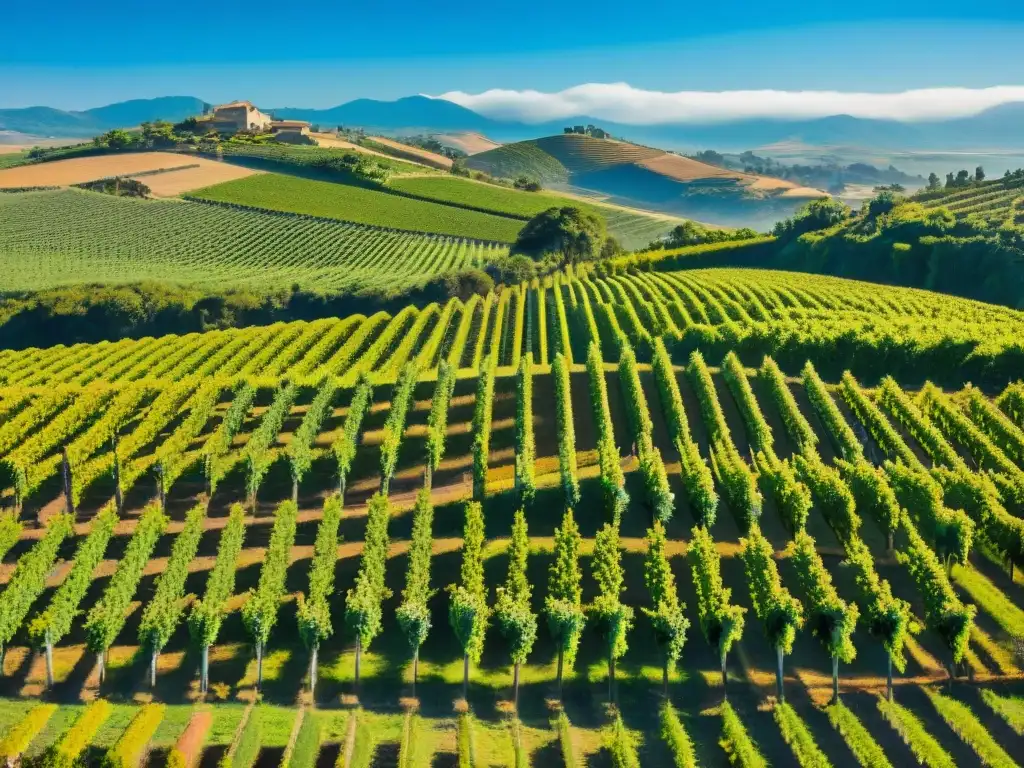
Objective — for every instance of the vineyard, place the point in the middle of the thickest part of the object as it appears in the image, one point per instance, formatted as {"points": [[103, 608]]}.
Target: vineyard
{"points": [[69, 237], [995, 201], [362, 205], [752, 492]]}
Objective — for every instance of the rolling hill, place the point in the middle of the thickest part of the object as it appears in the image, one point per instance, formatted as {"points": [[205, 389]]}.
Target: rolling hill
{"points": [[633, 174]]}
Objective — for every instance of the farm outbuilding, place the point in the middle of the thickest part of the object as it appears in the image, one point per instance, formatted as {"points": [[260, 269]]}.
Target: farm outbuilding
{"points": [[240, 116]]}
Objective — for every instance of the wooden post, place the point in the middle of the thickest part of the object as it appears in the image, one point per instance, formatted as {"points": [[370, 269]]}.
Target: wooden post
{"points": [[664, 678], [312, 670], [515, 685], [835, 678], [259, 665], [725, 677], [778, 673], [102, 662], [465, 676], [66, 474], [204, 677], [152, 668], [295, 490], [49, 660], [415, 669], [359, 658], [560, 655], [888, 678]]}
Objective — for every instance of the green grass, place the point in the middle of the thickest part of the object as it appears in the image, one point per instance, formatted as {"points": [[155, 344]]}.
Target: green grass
{"points": [[924, 746], [523, 158], [981, 591], [632, 230], [739, 747], [120, 717], [674, 734], [307, 743], [1010, 708], [226, 718], [303, 156], [961, 720], [860, 741], [622, 745], [361, 205], [248, 747], [11, 159], [62, 719], [176, 719], [796, 734]]}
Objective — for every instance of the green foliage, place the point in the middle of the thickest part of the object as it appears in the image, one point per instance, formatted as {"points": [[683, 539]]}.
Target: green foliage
{"points": [[792, 497], [888, 617], [345, 444], [314, 612], [965, 724], [131, 746], [700, 485], [512, 609], [466, 741], [163, 612], [482, 418], [67, 750], [780, 612], [107, 617], [394, 427], [526, 448], [872, 492], [208, 613], [874, 420], [896, 401], [300, 448], [760, 434], [838, 428], [622, 746], [260, 612], [612, 479], [832, 619], [951, 532], [258, 450], [815, 215], [797, 426], [1009, 708], [739, 747], [668, 616], [437, 421], [978, 496], [468, 612], [10, 532], [360, 205], [363, 601], [566, 431], [678, 740], [567, 234], [858, 738], [563, 727], [17, 739], [831, 495], [414, 614], [612, 618], [796, 734], [720, 621], [924, 746], [563, 604], [56, 621], [943, 611]]}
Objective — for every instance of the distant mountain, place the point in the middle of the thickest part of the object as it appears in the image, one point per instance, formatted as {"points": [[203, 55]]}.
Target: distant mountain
{"points": [[411, 112], [996, 128], [46, 121]]}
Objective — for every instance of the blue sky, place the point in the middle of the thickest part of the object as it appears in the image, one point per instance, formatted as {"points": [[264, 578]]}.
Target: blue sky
{"points": [[73, 55]]}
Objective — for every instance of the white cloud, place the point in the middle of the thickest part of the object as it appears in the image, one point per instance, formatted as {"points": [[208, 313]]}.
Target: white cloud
{"points": [[622, 103]]}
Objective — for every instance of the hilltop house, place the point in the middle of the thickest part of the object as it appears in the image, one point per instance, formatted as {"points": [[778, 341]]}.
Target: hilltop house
{"points": [[240, 116], [292, 131]]}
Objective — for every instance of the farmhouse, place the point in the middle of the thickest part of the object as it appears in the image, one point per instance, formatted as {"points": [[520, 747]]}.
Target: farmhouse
{"points": [[240, 116], [295, 131]]}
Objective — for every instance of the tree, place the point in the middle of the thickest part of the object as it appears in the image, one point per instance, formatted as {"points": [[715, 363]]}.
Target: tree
{"points": [[884, 202], [569, 234], [512, 611], [468, 612], [963, 178], [667, 616], [950, 181], [414, 613], [816, 215], [612, 617], [979, 174], [934, 182], [564, 601]]}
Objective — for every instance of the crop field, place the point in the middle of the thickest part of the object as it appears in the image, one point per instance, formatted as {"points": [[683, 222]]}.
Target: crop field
{"points": [[272, 156], [70, 237], [416, 154], [361, 205], [631, 229], [773, 517], [82, 169], [995, 201]]}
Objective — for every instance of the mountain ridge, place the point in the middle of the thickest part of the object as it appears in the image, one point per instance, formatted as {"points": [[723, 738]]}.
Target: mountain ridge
{"points": [[997, 127]]}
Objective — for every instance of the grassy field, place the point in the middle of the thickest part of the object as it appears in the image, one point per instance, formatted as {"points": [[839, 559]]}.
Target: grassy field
{"points": [[70, 237], [360, 205], [631, 229], [11, 159]]}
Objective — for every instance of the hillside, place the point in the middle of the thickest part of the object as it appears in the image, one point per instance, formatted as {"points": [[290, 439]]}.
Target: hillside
{"points": [[646, 177]]}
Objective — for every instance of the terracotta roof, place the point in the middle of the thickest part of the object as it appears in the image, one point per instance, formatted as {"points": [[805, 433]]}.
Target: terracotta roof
{"points": [[289, 124], [248, 104]]}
